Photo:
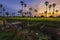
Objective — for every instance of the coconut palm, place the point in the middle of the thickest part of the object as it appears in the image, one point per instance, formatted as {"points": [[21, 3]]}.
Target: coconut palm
{"points": [[56, 12], [46, 3], [20, 12], [53, 7], [7, 14], [27, 13], [13, 13], [45, 13], [25, 5], [22, 4], [30, 9], [35, 11], [3, 11], [1, 7], [50, 8], [30, 12]]}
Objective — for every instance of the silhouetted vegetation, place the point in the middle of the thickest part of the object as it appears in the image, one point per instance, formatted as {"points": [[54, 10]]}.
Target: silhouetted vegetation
{"points": [[24, 27]]}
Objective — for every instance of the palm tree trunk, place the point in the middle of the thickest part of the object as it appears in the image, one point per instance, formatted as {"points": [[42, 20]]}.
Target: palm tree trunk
{"points": [[30, 14], [46, 11], [56, 14], [4, 21], [53, 10], [22, 10], [4, 24], [50, 11], [25, 11]]}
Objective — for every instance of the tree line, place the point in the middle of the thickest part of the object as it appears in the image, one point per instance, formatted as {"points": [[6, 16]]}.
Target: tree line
{"points": [[29, 12]]}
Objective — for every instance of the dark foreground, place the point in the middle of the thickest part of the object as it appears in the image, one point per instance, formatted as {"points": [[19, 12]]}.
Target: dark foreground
{"points": [[30, 29]]}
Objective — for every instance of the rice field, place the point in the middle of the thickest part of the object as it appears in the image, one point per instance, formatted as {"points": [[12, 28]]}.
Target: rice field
{"points": [[49, 22], [33, 19], [52, 22]]}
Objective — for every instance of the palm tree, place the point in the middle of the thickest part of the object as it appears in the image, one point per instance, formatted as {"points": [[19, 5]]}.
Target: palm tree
{"points": [[1, 7], [3, 11], [35, 11], [46, 3], [30, 12], [27, 13], [20, 12], [45, 12], [53, 7], [25, 5], [13, 13], [22, 4], [50, 8], [7, 14], [56, 12]]}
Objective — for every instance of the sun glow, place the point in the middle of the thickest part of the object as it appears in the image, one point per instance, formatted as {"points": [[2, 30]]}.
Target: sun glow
{"points": [[48, 14]]}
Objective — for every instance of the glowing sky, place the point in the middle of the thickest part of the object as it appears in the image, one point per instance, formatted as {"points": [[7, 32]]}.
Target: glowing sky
{"points": [[14, 5]]}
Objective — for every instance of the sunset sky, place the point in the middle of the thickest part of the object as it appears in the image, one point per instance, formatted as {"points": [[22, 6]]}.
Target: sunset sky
{"points": [[14, 5]]}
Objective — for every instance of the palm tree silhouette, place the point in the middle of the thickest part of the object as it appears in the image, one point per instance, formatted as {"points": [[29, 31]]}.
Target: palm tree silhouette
{"points": [[30, 12], [56, 12], [25, 5], [13, 13], [3, 11], [22, 4], [20, 12], [53, 7], [50, 8], [7, 14], [46, 3], [35, 11], [1, 7], [45, 12], [27, 13]]}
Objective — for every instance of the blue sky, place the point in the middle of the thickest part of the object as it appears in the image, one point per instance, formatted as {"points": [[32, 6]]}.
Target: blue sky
{"points": [[14, 5]]}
